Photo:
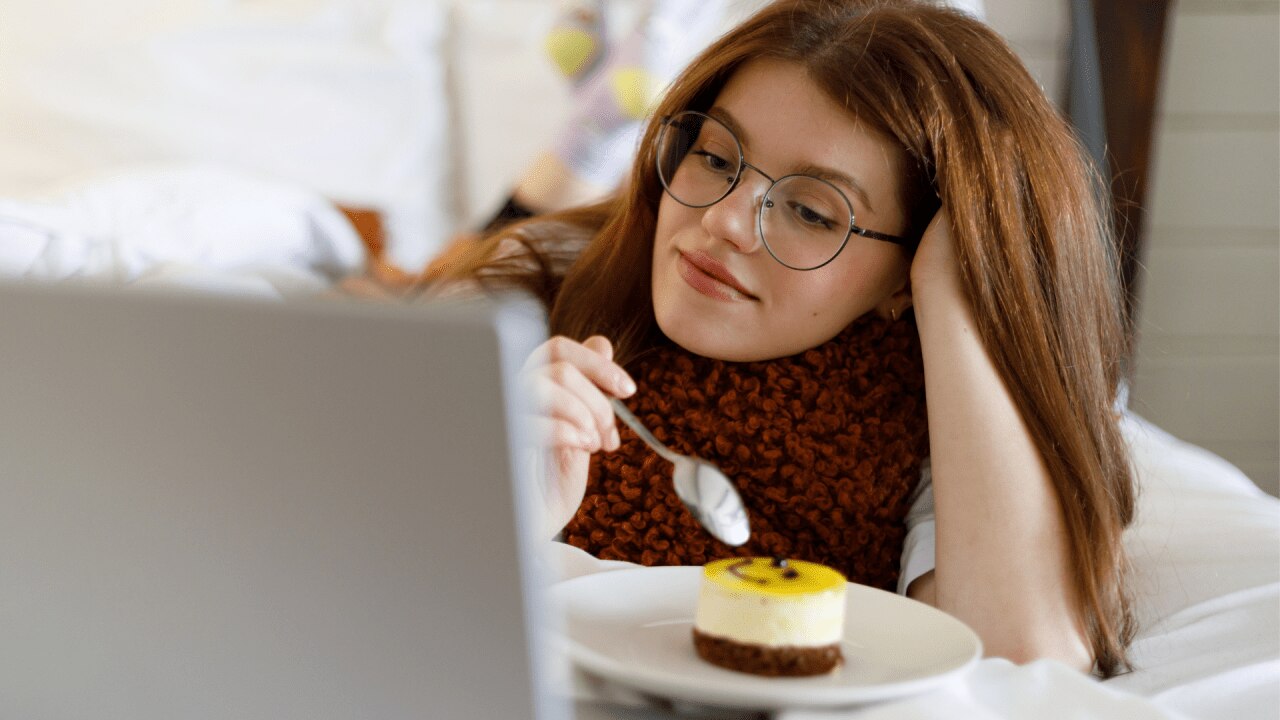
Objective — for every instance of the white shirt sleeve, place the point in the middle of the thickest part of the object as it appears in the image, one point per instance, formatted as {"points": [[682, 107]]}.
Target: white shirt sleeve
{"points": [[918, 550]]}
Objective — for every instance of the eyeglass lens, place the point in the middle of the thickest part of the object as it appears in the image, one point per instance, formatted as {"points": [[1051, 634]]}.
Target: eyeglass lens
{"points": [[804, 221]]}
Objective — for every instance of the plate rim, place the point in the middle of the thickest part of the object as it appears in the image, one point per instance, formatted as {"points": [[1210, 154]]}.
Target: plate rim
{"points": [[664, 685]]}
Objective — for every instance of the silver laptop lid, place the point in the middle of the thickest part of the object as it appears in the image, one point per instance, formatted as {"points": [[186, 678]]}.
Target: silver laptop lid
{"points": [[225, 508]]}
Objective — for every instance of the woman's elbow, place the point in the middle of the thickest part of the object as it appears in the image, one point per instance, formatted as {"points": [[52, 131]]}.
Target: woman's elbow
{"points": [[1035, 633], [1069, 649]]}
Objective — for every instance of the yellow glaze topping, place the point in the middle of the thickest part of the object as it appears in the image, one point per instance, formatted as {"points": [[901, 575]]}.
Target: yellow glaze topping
{"points": [[767, 576]]}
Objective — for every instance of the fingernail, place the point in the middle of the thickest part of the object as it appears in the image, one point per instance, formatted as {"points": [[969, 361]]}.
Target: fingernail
{"points": [[615, 440], [625, 385]]}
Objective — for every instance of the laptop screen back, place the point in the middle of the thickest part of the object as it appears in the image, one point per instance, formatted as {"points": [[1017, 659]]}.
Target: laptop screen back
{"points": [[218, 508]]}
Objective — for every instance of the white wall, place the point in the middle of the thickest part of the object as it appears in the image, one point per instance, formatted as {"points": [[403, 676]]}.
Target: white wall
{"points": [[1208, 360]]}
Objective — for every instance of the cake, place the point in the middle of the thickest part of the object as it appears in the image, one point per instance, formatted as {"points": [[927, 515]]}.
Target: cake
{"points": [[769, 616]]}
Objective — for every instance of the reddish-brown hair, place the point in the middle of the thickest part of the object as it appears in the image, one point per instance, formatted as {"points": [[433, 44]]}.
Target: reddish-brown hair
{"points": [[1036, 253]]}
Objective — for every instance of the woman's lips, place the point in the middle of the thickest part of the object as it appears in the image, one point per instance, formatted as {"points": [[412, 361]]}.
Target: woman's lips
{"points": [[707, 284]]}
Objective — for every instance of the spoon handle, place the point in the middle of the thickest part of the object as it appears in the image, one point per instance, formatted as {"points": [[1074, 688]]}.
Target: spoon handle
{"points": [[634, 423]]}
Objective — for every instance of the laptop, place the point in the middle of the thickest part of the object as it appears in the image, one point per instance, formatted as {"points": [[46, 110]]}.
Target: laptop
{"points": [[216, 507]]}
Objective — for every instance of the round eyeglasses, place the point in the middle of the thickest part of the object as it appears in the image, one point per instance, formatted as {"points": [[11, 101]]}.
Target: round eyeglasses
{"points": [[804, 221]]}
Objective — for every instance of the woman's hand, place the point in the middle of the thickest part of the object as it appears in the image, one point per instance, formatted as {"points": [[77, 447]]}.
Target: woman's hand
{"points": [[572, 383], [935, 261]]}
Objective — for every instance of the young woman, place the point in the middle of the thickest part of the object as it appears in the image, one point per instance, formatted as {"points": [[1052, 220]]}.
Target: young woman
{"points": [[839, 209]]}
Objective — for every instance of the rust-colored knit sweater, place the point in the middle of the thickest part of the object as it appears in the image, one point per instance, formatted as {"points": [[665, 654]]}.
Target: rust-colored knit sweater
{"points": [[824, 447]]}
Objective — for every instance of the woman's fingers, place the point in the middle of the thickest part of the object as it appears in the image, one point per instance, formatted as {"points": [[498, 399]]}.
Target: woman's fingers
{"points": [[601, 345], [573, 382], [565, 395], [593, 358], [576, 399], [566, 434], [624, 387]]}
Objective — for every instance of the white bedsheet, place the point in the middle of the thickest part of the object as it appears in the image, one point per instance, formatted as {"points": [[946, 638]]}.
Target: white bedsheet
{"points": [[1205, 550], [1206, 556]]}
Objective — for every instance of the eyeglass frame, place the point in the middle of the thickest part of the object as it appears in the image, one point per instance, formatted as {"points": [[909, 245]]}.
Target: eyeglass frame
{"points": [[854, 228]]}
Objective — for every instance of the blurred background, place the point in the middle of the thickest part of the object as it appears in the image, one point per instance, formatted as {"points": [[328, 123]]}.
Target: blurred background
{"points": [[425, 113]]}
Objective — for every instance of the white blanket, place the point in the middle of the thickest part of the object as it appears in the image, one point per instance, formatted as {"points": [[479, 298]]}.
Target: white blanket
{"points": [[1205, 550], [203, 227]]}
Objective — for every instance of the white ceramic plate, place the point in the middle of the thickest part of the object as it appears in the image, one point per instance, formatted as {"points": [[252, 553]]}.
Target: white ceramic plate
{"points": [[634, 627]]}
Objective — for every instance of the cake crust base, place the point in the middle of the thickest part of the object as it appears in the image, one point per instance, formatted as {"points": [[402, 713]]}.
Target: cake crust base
{"points": [[768, 661]]}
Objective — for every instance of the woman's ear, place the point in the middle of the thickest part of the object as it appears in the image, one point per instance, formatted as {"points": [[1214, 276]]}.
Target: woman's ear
{"points": [[896, 304]]}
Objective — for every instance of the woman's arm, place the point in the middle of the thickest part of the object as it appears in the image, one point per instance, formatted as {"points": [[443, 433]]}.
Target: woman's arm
{"points": [[1002, 554]]}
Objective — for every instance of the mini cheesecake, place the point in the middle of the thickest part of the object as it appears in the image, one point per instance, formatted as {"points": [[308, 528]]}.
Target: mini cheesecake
{"points": [[769, 616]]}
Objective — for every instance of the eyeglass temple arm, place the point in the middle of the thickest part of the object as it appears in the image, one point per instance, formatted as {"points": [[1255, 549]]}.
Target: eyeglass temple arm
{"points": [[896, 240]]}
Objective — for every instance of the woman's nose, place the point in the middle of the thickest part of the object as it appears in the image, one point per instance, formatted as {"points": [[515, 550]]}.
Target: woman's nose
{"points": [[733, 219]]}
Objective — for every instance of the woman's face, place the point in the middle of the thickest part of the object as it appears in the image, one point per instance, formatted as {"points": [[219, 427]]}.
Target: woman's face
{"points": [[786, 124]]}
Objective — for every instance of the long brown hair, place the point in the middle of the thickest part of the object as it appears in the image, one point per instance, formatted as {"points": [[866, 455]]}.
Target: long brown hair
{"points": [[1035, 249]]}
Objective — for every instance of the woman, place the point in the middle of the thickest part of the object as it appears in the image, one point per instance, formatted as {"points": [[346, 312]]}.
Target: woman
{"points": [[840, 205]]}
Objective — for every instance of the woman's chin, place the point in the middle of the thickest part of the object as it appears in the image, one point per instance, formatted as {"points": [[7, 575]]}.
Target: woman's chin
{"points": [[719, 342], [693, 337]]}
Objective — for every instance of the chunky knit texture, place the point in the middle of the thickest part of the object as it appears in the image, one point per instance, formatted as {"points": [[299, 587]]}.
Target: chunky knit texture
{"points": [[824, 447]]}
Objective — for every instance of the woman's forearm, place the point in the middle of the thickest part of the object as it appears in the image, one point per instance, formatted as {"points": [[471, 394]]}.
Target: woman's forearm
{"points": [[1002, 553]]}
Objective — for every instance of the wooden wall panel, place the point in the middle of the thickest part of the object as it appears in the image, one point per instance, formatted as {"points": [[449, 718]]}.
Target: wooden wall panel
{"points": [[1208, 354], [1216, 179], [1221, 290], [1207, 50]]}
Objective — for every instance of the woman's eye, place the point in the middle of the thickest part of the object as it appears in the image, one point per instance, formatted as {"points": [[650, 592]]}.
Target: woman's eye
{"points": [[713, 161], [810, 217]]}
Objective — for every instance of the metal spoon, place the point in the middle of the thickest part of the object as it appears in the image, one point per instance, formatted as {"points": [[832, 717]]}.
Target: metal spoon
{"points": [[700, 486]]}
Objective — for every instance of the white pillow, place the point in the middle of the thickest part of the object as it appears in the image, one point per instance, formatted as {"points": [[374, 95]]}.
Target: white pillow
{"points": [[207, 227]]}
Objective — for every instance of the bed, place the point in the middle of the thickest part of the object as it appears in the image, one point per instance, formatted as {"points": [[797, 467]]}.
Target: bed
{"points": [[212, 146], [1205, 546]]}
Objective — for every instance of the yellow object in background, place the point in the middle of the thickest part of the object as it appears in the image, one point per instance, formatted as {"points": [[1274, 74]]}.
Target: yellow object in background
{"points": [[634, 91], [572, 50]]}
